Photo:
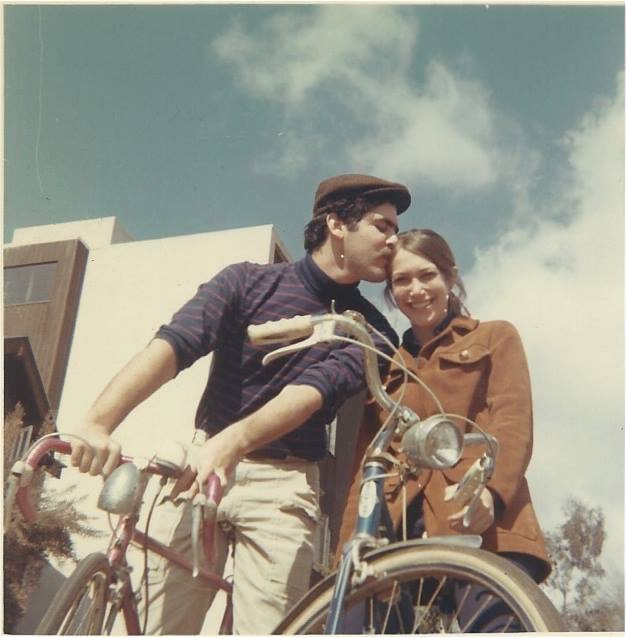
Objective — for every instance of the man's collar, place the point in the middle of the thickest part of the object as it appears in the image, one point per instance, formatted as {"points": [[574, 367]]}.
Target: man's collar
{"points": [[319, 283]]}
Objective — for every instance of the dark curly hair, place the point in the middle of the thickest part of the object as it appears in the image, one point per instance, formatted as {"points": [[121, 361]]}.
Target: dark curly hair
{"points": [[348, 209]]}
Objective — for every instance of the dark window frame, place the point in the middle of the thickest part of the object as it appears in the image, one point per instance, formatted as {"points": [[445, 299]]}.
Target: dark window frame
{"points": [[36, 291]]}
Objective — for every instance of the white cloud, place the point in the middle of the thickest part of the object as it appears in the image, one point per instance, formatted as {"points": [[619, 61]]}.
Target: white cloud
{"points": [[290, 55], [562, 284], [357, 60], [443, 135], [557, 274]]}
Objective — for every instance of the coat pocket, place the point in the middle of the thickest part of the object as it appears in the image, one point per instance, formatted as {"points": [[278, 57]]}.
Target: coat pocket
{"points": [[468, 355]]}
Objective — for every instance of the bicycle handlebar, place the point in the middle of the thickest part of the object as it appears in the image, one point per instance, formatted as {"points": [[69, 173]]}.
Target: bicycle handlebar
{"points": [[305, 325], [24, 468], [22, 472], [281, 330], [354, 323]]}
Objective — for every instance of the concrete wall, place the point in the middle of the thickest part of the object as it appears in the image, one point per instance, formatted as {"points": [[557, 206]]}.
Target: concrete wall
{"points": [[130, 290], [95, 233]]}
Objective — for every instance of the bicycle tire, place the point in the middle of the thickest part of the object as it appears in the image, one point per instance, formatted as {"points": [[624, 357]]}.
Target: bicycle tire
{"points": [[399, 569], [79, 606]]}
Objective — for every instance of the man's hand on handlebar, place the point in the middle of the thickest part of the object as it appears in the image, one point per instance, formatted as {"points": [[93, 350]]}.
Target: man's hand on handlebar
{"points": [[98, 454], [218, 455]]}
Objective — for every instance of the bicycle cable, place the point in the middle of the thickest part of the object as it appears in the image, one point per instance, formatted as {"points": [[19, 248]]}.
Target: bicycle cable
{"points": [[401, 366], [407, 372], [144, 576]]}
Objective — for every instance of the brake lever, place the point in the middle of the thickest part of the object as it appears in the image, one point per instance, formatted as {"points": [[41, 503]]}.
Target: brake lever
{"points": [[471, 508], [197, 519], [322, 333], [470, 484], [213, 493], [203, 520]]}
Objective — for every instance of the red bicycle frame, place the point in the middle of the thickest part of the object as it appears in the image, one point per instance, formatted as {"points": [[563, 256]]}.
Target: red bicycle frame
{"points": [[125, 533]]}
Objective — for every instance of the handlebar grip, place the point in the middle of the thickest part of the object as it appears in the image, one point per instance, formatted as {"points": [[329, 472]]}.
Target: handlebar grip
{"points": [[479, 438], [33, 460], [22, 495], [281, 330]]}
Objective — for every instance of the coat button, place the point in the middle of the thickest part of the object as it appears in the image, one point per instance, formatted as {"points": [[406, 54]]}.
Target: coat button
{"points": [[465, 355]]}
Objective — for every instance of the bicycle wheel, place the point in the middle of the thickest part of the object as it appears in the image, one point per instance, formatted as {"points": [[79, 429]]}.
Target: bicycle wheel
{"points": [[79, 607], [431, 589]]}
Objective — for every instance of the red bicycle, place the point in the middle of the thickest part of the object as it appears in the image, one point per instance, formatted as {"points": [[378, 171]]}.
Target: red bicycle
{"points": [[100, 587]]}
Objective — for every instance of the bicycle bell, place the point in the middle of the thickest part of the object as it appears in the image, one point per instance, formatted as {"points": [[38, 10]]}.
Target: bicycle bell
{"points": [[435, 442]]}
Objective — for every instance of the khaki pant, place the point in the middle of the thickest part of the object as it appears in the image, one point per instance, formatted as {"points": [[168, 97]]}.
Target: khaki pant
{"points": [[272, 508]]}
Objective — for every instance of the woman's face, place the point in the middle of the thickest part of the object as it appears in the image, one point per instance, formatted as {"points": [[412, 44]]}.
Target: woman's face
{"points": [[420, 291]]}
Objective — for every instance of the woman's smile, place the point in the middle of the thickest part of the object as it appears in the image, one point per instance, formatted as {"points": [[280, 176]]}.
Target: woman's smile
{"points": [[420, 291]]}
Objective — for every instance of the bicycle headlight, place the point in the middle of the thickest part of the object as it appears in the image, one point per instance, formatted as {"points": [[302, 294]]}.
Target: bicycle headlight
{"points": [[435, 442], [120, 492]]}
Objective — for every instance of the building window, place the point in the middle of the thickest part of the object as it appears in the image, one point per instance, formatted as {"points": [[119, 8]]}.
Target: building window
{"points": [[28, 284]]}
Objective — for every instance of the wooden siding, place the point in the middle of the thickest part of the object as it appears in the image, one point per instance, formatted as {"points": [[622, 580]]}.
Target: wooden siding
{"points": [[49, 325]]}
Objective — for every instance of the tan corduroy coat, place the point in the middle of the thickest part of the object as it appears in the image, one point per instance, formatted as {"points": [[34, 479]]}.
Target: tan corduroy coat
{"points": [[476, 370]]}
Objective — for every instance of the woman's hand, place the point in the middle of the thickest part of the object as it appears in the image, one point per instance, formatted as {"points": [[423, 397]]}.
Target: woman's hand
{"points": [[482, 517]]}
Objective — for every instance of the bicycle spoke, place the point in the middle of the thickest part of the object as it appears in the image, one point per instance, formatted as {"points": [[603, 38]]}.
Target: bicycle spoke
{"points": [[72, 611], [111, 616], [420, 590], [479, 611], [94, 608], [459, 606], [508, 625], [391, 600], [80, 605], [84, 613], [435, 589], [429, 605], [97, 609]]}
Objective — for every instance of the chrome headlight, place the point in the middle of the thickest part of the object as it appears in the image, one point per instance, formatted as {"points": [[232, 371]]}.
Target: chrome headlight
{"points": [[435, 442], [121, 491]]}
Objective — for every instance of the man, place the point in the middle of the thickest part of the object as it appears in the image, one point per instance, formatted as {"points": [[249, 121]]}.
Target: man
{"points": [[265, 425]]}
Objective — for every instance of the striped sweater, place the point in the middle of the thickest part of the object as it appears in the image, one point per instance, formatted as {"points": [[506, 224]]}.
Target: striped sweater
{"points": [[215, 320]]}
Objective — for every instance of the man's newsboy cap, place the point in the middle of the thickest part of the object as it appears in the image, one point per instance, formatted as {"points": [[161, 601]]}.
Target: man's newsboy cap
{"points": [[364, 186]]}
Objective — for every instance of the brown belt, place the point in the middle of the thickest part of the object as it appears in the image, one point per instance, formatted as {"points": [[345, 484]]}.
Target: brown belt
{"points": [[272, 455]]}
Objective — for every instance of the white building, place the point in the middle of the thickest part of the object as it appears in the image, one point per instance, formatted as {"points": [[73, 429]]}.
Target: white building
{"points": [[129, 289]]}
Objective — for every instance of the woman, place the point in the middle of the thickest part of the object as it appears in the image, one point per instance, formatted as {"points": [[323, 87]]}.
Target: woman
{"points": [[477, 370]]}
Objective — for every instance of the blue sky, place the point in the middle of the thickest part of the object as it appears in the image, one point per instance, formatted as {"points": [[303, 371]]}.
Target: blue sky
{"points": [[153, 114], [506, 123]]}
